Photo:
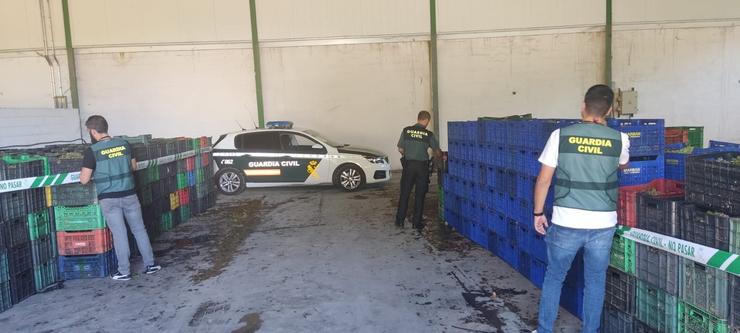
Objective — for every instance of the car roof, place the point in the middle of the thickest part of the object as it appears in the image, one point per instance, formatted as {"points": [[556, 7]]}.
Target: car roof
{"points": [[301, 130]]}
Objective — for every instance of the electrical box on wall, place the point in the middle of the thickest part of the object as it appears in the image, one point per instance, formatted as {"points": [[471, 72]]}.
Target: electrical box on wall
{"points": [[626, 103]]}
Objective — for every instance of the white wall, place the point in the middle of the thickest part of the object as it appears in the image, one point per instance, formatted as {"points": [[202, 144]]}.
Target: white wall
{"points": [[358, 70], [29, 126]]}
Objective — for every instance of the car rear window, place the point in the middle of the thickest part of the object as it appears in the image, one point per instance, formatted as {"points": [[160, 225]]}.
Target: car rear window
{"points": [[257, 142]]}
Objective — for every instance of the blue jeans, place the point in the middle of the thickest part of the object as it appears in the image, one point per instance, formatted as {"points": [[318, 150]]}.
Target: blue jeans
{"points": [[562, 245]]}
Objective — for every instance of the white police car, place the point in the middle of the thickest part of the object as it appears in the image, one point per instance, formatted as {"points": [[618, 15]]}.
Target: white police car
{"points": [[282, 156]]}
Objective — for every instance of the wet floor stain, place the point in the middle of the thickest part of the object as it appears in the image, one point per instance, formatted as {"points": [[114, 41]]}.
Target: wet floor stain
{"points": [[205, 309], [233, 223], [252, 322]]}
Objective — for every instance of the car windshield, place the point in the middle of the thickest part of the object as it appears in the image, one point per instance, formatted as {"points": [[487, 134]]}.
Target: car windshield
{"points": [[323, 138]]}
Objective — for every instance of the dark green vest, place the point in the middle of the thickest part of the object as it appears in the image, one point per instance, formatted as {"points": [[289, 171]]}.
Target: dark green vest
{"points": [[112, 166], [588, 161], [416, 142]]}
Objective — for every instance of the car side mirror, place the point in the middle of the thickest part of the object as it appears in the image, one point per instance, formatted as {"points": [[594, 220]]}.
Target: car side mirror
{"points": [[317, 146]]}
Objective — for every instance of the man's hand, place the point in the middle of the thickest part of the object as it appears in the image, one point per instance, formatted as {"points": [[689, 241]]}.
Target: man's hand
{"points": [[540, 224]]}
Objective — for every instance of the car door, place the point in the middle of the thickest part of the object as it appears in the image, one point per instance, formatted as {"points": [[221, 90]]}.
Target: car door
{"points": [[259, 156], [301, 158]]}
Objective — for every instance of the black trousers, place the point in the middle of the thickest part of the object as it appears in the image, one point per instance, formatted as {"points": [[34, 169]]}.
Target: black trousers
{"points": [[415, 174]]}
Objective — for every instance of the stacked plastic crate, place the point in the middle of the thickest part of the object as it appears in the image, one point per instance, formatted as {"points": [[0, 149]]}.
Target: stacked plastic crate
{"points": [[710, 298], [25, 248], [489, 194]]}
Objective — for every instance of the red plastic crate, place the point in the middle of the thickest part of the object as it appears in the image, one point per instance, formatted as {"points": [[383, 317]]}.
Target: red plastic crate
{"points": [[627, 205], [190, 163], [205, 159], [184, 195], [676, 135], [203, 142], [78, 243]]}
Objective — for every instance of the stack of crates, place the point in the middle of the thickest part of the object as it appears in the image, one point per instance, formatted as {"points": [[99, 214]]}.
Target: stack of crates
{"points": [[689, 136], [25, 229], [489, 190], [710, 298], [83, 241]]}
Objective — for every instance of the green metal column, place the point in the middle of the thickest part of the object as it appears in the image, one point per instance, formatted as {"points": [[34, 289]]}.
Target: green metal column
{"points": [[608, 45], [433, 61], [71, 64], [257, 63]]}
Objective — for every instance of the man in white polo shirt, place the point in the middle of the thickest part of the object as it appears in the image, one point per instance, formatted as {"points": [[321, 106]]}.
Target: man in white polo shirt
{"points": [[585, 159]]}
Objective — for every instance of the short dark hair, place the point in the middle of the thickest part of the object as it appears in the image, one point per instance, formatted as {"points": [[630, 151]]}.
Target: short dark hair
{"points": [[97, 123], [424, 115], [599, 99]]}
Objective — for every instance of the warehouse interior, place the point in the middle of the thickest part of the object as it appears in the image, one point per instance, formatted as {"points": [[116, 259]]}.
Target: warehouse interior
{"points": [[320, 259]]}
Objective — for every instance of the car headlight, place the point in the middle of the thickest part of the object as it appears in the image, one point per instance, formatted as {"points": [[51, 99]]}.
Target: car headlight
{"points": [[376, 159]]}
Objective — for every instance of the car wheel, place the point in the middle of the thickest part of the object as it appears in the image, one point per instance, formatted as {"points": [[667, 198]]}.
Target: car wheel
{"points": [[349, 178], [230, 181]]}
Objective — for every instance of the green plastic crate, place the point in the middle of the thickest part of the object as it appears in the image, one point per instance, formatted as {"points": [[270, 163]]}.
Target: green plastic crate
{"points": [[165, 222], [24, 158], [184, 213], [199, 176], [704, 287], [623, 255], [4, 270], [45, 275], [656, 308], [692, 319], [195, 144], [182, 180], [152, 174], [39, 224], [80, 218]]}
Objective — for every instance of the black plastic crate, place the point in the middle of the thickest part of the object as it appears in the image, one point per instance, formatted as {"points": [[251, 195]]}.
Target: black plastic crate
{"points": [[657, 267], [22, 285], [705, 227], [16, 231], [36, 199], [74, 195], [13, 204], [155, 150], [641, 327], [20, 259], [183, 145], [660, 213], [620, 291], [140, 152], [167, 170], [615, 321], [66, 164], [3, 237], [32, 168], [713, 181], [182, 165]]}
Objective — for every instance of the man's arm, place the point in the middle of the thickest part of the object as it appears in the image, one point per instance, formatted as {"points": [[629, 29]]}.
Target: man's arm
{"points": [[540, 195], [400, 145], [624, 156], [85, 175], [133, 164]]}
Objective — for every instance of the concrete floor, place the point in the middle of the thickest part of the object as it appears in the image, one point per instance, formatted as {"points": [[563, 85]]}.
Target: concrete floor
{"points": [[299, 260]]}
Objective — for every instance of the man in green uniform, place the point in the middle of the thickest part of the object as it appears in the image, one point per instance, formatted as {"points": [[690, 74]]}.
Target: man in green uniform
{"points": [[110, 163], [414, 146], [585, 158]]}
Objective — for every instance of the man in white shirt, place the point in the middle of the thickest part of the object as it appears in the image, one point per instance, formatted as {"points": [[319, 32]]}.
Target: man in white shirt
{"points": [[585, 159]]}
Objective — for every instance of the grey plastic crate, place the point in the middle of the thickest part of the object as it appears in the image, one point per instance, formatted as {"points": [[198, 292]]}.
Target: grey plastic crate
{"points": [[705, 227], [620, 291], [615, 321], [735, 302], [660, 213], [658, 268], [705, 287]]}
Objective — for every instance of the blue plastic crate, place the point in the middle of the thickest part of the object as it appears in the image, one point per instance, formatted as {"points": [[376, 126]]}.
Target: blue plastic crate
{"points": [[537, 245], [525, 188], [537, 270], [500, 225], [479, 235], [493, 242], [508, 252], [722, 144], [524, 264], [523, 237], [532, 164], [642, 172], [675, 163], [512, 227], [517, 160], [647, 136], [83, 267], [571, 299], [192, 180]]}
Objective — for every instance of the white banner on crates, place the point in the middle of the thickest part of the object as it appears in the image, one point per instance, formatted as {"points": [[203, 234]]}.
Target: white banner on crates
{"points": [[708, 256], [74, 177]]}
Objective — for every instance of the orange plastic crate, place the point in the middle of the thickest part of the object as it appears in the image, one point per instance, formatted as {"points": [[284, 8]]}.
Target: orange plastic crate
{"points": [[78, 243], [676, 135]]}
